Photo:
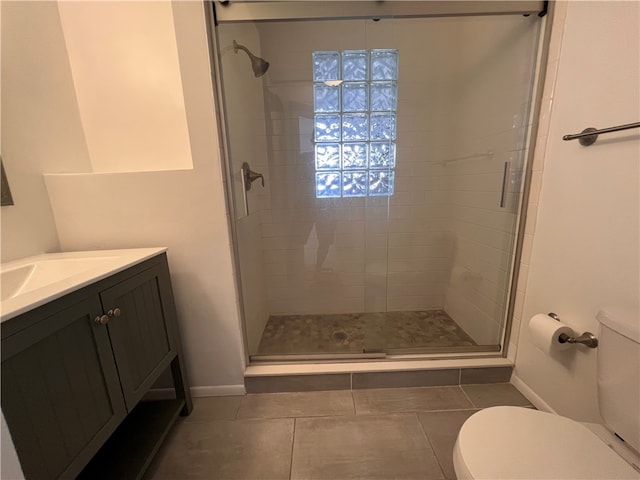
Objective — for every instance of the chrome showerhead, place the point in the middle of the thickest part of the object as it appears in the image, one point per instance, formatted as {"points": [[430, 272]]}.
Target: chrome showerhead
{"points": [[258, 65]]}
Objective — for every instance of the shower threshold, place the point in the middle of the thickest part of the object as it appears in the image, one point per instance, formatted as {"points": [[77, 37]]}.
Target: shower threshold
{"points": [[363, 335]]}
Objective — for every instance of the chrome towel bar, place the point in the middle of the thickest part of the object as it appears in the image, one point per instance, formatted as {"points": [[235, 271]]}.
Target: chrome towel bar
{"points": [[589, 135]]}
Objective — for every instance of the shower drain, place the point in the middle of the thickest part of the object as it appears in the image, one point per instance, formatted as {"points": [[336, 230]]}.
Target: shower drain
{"points": [[339, 336]]}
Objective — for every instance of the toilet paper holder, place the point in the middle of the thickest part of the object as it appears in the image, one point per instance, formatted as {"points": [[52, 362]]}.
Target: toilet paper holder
{"points": [[587, 338]]}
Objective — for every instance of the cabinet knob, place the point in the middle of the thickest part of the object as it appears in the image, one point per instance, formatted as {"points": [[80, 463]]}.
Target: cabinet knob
{"points": [[114, 312], [101, 319]]}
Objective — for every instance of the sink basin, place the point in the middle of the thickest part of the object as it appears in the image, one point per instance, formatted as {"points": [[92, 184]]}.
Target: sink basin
{"points": [[11, 281], [41, 273], [31, 282]]}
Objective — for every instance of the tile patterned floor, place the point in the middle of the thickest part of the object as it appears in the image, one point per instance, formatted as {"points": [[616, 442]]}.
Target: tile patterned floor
{"points": [[399, 433], [360, 332]]}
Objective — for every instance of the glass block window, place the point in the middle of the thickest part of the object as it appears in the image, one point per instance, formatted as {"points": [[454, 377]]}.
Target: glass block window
{"points": [[355, 96]]}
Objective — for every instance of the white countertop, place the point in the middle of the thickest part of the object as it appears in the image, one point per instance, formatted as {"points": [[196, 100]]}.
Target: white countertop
{"points": [[30, 282]]}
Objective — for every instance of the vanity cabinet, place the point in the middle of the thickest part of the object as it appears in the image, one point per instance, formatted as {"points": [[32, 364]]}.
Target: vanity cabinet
{"points": [[74, 372], [60, 390], [140, 337]]}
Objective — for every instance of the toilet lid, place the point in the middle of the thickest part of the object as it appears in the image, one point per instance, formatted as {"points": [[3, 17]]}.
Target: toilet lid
{"points": [[516, 442]]}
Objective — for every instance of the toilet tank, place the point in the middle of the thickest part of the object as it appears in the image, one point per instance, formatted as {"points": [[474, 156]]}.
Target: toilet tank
{"points": [[619, 373]]}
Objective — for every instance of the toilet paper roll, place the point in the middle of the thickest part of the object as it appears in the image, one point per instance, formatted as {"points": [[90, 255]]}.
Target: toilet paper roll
{"points": [[544, 332]]}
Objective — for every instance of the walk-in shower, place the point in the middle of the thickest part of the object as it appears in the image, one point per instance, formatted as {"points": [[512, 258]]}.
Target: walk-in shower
{"points": [[391, 141]]}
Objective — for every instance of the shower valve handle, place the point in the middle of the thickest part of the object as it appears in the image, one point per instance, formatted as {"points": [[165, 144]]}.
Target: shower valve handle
{"points": [[250, 176]]}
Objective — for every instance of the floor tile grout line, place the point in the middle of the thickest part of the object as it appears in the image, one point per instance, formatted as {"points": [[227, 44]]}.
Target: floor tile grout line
{"points": [[380, 387], [354, 410], [448, 385], [394, 412], [322, 415], [293, 442], [468, 397], [363, 415], [235, 417], [353, 402], [430, 443]]}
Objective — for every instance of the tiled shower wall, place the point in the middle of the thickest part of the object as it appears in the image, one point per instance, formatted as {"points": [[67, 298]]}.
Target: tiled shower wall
{"points": [[441, 240], [357, 254]]}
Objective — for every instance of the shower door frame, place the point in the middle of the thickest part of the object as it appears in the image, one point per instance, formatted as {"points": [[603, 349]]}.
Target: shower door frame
{"points": [[248, 11], [245, 13]]}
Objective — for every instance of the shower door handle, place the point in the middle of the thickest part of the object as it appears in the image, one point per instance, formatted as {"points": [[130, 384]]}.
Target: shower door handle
{"points": [[249, 176], [505, 183]]}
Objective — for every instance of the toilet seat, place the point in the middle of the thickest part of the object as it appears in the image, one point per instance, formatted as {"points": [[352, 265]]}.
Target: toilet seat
{"points": [[522, 443]]}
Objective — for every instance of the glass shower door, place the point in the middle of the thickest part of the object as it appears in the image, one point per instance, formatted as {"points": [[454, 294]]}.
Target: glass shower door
{"points": [[393, 152], [320, 126]]}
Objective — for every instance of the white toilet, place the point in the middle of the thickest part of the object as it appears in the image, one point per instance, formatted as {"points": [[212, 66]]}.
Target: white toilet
{"points": [[522, 443]]}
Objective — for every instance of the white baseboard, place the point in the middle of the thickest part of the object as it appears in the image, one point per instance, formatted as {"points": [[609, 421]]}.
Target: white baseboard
{"points": [[213, 391], [532, 396]]}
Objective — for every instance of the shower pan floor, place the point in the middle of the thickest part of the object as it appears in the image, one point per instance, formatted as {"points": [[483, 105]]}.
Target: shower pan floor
{"points": [[361, 332]]}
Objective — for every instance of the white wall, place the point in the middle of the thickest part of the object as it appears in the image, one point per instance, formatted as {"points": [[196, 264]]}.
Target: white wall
{"points": [[138, 38], [181, 209], [584, 246], [41, 128]]}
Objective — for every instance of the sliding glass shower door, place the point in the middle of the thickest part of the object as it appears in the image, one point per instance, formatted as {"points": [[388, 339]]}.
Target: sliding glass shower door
{"points": [[375, 169]]}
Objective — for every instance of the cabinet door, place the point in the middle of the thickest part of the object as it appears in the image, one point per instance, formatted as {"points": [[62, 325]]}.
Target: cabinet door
{"points": [[139, 331], [60, 391]]}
